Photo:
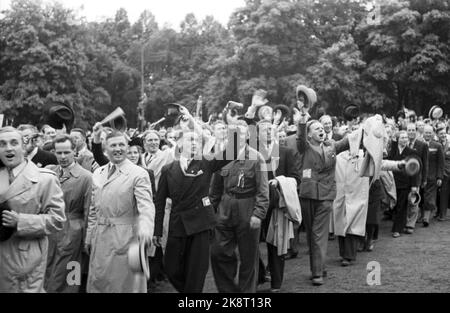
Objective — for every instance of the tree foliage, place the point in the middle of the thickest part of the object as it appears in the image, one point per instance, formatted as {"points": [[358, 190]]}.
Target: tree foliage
{"points": [[49, 53]]}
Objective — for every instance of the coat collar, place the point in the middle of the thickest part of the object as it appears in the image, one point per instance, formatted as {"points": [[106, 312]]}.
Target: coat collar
{"points": [[29, 176]]}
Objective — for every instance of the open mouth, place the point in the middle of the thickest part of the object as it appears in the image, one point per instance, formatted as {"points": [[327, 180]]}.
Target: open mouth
{"points": [[10, 157]]}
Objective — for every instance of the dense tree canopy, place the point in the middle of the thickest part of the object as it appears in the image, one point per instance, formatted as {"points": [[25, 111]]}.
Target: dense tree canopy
{"points": [[49, 53]]}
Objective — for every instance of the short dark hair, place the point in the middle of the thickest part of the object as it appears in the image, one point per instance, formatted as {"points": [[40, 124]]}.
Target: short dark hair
{"points": [[63, 138]]}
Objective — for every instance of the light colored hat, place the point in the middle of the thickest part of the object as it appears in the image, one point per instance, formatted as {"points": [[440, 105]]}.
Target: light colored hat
{"points": [[412, 166], [310, 94], [414, 197], [436, 112], [138, 258]]}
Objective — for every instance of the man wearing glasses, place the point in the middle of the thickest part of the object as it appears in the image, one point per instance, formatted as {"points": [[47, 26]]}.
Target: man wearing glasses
{"points": [[35, 154]]}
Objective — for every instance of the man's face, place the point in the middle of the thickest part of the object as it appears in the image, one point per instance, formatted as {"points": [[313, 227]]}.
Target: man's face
{"points": [[420, 127], [402, 140], [220, 131], [428, 133], [266, 133], [412, 132], [316, 132], [162, 132], [116, 149], [78, 138], [171, 136], [151, 143], [64, 153], [191, 145], [442, 135], [27, 139], [282, 137], [327, 124], [49, 133], [11, 149]]}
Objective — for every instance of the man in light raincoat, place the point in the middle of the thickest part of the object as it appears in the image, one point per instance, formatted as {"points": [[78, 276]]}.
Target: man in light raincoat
{"points": [[36, 210], [121, 212]]}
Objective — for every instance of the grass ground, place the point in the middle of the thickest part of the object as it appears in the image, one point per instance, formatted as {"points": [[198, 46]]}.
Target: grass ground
{"points": [[411, 263]]}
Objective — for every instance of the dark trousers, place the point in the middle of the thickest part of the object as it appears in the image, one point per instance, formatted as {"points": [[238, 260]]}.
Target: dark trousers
{"points": [[316, 218], [429, 200], [371, 232], [348, 246], [224, 259], [156, 265], [400, 211], [187, 260], [444, 195], [276, 266]]}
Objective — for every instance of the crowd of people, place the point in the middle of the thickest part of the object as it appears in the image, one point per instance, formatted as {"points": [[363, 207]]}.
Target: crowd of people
{"points": [[199, 193]]}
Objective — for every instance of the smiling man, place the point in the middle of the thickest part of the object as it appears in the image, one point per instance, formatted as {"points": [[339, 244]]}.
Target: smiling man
{"points": [[67, 245], [122, 212], [34, 209]]}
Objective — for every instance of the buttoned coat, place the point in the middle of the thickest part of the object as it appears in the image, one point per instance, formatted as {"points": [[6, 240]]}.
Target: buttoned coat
{"points": [[121, 206], [37, 196], [66, 245]]}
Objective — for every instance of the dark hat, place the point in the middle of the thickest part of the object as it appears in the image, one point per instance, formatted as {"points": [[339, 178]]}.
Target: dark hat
{"points": [[285, 110], [401, 114], [172, 114], [351, 112], [60, 114], [5, 232], [136, 141]]}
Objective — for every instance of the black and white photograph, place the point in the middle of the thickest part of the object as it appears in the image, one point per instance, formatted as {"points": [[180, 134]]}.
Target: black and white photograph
{"points": [[212, 147]]}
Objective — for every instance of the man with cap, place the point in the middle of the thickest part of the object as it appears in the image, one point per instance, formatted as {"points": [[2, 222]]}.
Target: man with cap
{"points": [[34, 206], [121, 212], [38, 156], [67, 245], [421, 150], [83, 156]]}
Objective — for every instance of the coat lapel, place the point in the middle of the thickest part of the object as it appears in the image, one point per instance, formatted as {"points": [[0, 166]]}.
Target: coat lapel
{"points": [[22, 183], [122, 170]]}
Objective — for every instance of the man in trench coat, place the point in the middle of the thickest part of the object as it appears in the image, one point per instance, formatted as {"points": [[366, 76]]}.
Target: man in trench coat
{"points": [[36, 204], [121, 212], [67, 245]]}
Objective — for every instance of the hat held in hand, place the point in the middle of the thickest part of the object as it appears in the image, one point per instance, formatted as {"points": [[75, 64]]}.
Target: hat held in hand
{"points": [[138, 258], [60, 115]]}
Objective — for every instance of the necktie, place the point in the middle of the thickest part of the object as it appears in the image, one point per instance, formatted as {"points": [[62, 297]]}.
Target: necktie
{"points": [[149, 159], [112, 169], [411, 144], [10, 176]]}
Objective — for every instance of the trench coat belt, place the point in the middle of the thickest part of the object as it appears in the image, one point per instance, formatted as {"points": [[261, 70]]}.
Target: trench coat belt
{"points": [[110, 221], [240, 196]]}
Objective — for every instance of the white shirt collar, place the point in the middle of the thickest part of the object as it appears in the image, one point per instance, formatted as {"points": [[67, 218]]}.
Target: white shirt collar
{"points": [[19, 168]]}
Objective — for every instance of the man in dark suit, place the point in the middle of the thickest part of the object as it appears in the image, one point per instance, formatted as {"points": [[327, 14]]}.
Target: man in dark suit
{"points": [[421, 150], [435, 174], [38, 156], [404, 183], [186, 181]]}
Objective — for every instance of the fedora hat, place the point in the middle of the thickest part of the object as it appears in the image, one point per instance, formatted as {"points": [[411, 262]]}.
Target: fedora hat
{"points": [[414, 197], [351, 112], [138, 258], [308, 93], [60, 114], [5, 232], [435, 113], [284, 109], [412, 166]]}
